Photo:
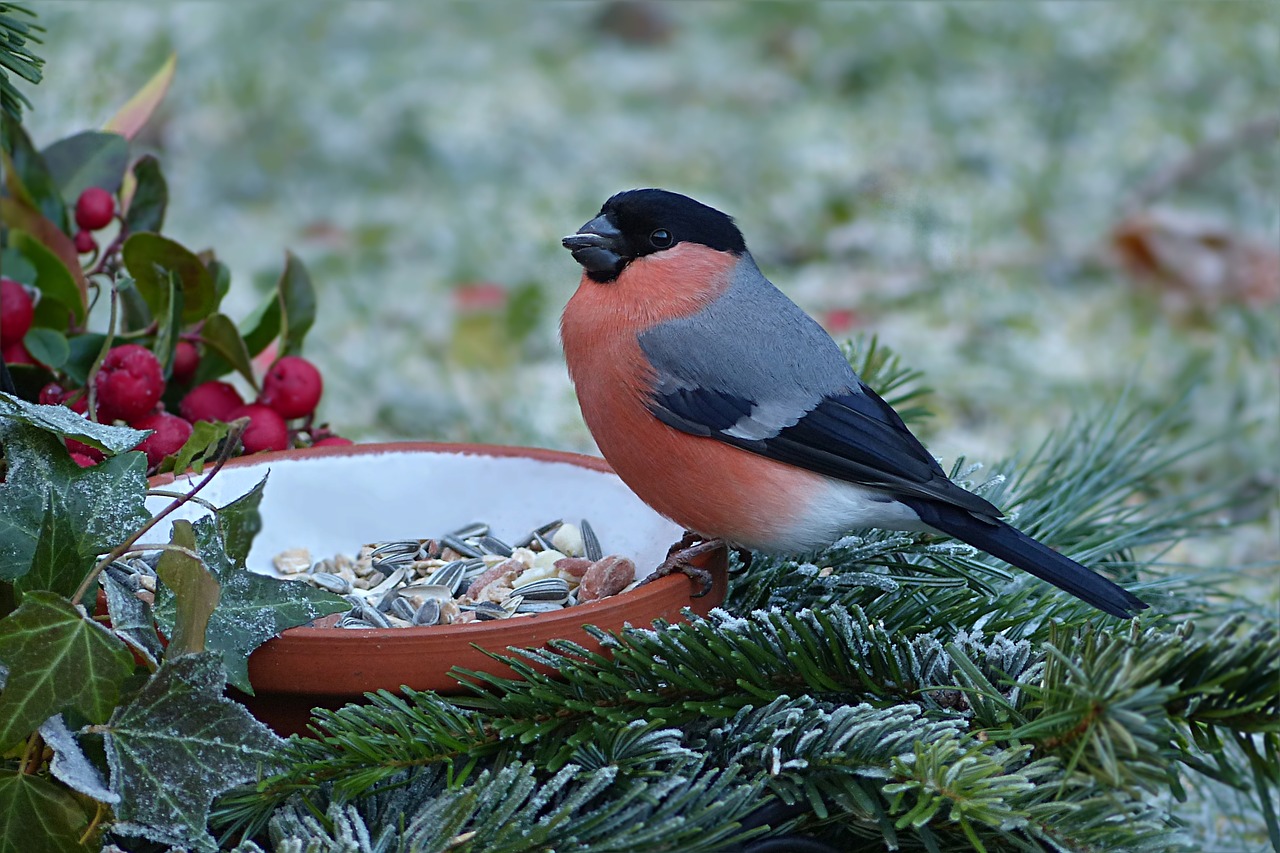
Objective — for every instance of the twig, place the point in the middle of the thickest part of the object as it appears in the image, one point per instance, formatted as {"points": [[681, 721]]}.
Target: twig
{"points": [[235, 430], [1203, 159], [90, 381]]}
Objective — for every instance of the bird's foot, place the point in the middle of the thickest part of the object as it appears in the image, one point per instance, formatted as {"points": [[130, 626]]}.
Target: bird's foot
{"points": [[681, 557]]}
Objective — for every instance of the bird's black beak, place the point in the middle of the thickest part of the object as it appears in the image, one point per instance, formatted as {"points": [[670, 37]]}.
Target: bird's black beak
{"points": [[599, 247]]}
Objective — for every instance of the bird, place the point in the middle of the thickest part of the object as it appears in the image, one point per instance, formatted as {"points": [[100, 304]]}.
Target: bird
{"points": [[726, 408]]}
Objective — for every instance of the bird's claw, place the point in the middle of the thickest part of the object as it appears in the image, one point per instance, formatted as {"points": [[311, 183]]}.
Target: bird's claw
{"points": [[680, 557]]}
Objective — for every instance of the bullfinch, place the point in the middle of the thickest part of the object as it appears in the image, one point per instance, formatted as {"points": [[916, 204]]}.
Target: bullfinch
{"points": [[726, 408]]}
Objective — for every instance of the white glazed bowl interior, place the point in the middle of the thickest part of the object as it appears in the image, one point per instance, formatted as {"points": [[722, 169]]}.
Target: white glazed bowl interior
{"points": [[333, 504]]}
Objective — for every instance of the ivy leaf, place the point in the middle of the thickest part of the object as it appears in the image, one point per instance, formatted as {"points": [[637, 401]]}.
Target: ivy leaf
{"points": [[149, 199], [239, 522], [58, 659], [60, 420], [253, 608], [131, 618], [87, 159], [179, 744], [150, 259], [103, 503], [70, 765], [36, 816], [57, 565], [298, 304], [195, 592], [198, 449]]}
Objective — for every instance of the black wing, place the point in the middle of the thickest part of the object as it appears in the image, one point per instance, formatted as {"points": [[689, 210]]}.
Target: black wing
{"points": [[854, 436]]}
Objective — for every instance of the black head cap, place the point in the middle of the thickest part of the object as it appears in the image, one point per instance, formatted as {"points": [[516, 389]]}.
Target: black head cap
{"points": [[636, 223]]}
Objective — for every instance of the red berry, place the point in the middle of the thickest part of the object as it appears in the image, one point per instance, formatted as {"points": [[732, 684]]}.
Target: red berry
{"points": [[53, 394], [94, 209], [77, 448], [82, 460], [16, 310], [266, 430], [210, 401], [171, 432], [129, 383], [186, 358], [292, 387], [15, 352], [84, 242], [80, 405], [332, 441]]}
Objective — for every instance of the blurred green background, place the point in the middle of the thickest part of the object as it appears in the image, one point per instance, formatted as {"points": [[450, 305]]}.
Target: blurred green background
{"points": [[947, 176]]}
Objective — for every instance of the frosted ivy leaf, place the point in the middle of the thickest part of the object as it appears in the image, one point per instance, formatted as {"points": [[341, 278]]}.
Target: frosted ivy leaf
{"points": [[70, 765], [103, 503], [178, 745], [61, 420]]}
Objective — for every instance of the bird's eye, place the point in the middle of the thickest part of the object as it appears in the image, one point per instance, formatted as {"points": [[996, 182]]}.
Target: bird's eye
{"points": [[660, 239]]}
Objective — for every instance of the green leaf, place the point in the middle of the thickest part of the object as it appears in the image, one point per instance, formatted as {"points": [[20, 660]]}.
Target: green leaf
{"points": [[37, 816], [58, 273], [262, 326], [47, 346], [150, 197], [195, 592], [224, 350], [57, 565], [104, 503], [83, 351], [198, 449], [178, 745], [58, 659], [60, 420], [240, 521], [27, 176], [168, 326], [133, 116], [253, 608], [90, 158], [298, 301], [16, 267], [150, 259]]}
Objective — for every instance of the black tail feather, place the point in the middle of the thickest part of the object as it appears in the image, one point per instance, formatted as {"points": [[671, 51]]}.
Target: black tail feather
{"points": [[1018, 549]]}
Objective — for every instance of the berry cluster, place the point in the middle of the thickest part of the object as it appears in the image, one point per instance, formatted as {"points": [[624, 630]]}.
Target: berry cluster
{"points": [[129, 385]]}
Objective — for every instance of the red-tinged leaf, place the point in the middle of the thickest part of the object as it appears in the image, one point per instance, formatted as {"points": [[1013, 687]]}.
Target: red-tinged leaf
{"points": [[133, 116], [195, 591], [26, 175], [58, 659], [26, 224], [37, 816]]}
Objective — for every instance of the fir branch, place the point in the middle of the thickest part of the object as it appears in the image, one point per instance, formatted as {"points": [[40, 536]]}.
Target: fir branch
{"points": [[518, 809], [16, 57]]}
